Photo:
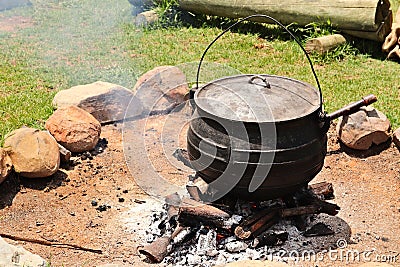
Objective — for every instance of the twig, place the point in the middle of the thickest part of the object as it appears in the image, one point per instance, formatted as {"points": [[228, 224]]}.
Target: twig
{"points": [[48, 243]]}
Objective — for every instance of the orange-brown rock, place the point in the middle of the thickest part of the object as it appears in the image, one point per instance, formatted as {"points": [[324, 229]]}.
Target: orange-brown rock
{"points": [[161, 87], [363, 129], [107, 102], [74, 128], [5, 165], [33, 153]]}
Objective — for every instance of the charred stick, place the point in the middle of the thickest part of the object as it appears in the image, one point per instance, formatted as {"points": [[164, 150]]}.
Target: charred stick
{"points": [[256, 224], [49, 243], [263, 227], [65, 154], [173, 201], [323, 189], [302, 210], [183, 156], [263, 220], [326, 207], [159, 249], [194, 192]]}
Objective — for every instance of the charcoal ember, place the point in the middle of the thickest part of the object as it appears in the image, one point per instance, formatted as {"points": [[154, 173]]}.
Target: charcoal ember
{"points": [[236, 246], [318, 229], [243, 208], [207, 243], [270, 239]]}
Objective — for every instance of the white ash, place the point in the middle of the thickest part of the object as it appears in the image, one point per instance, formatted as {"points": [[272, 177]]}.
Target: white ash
{"points": [[206, 248], [234, 219], [207, 243], [236, 246]]}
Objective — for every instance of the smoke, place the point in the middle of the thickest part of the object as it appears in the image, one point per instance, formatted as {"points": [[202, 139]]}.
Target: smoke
{"points": [[82, 41]]}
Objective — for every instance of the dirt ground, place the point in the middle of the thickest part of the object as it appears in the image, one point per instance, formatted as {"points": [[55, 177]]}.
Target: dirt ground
{"points": [[67, 207]]}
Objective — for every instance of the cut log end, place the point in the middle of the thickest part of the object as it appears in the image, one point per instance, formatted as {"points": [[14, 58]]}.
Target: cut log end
{"points": [[325, 43]]}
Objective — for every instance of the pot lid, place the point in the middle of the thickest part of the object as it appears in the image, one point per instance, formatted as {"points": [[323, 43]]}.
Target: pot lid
{"points": [[258, 98]]}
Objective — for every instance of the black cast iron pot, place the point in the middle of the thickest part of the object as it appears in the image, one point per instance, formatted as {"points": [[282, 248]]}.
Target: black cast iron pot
{"points": [[257, 136]]}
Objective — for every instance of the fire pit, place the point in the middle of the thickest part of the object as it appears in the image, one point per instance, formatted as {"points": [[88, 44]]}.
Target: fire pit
{"points": [[189, 232]]}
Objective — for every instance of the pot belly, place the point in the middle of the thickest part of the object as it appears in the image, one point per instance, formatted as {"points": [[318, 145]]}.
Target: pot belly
{"points": [[295, 161]]}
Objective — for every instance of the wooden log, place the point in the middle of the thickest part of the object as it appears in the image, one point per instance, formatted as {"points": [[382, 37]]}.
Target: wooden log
{"points": [[303, 210], [360, 15], [173, 201], [146, 18], [256, 224], [192, 212], [324, 44], [157, 250], [322, 189], [65, 154], [194, 192]]}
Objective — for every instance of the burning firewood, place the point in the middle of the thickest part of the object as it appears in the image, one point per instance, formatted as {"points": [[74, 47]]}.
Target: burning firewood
{"points": [[261, 221], [323, 189], [256, 224], [160, 248], [192, 212]]}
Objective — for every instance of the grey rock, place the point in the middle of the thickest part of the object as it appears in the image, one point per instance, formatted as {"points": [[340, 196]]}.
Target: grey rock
{"points": [[17, 256], [363, 129], [107, 102]]}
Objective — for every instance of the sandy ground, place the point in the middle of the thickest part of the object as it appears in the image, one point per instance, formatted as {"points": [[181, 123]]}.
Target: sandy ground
{"points": [[61, 208]]}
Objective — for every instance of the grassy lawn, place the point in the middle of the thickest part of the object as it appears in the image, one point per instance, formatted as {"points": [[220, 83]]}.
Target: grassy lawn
{"points": [[78, 42]]}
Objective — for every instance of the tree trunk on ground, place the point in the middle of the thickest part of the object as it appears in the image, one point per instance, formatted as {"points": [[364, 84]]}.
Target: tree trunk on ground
{"points": [[362, 15]]}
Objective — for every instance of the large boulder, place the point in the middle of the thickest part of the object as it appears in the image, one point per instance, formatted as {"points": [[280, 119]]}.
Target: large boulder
{"points": [[161, 88], [5, 165], [33, 153], [363, 128], [107, 102], [74, 128]]}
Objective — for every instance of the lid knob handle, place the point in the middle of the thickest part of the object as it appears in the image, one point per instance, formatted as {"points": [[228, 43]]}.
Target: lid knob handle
{"points": [[263, 79]]}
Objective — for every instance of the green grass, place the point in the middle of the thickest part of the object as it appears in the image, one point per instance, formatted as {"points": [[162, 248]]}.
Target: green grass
{"points": [[78, 42], [342, 81], [25, 97]]}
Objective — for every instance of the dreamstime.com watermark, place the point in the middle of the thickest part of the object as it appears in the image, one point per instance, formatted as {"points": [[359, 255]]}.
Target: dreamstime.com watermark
{"points": [[340, 254]]}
